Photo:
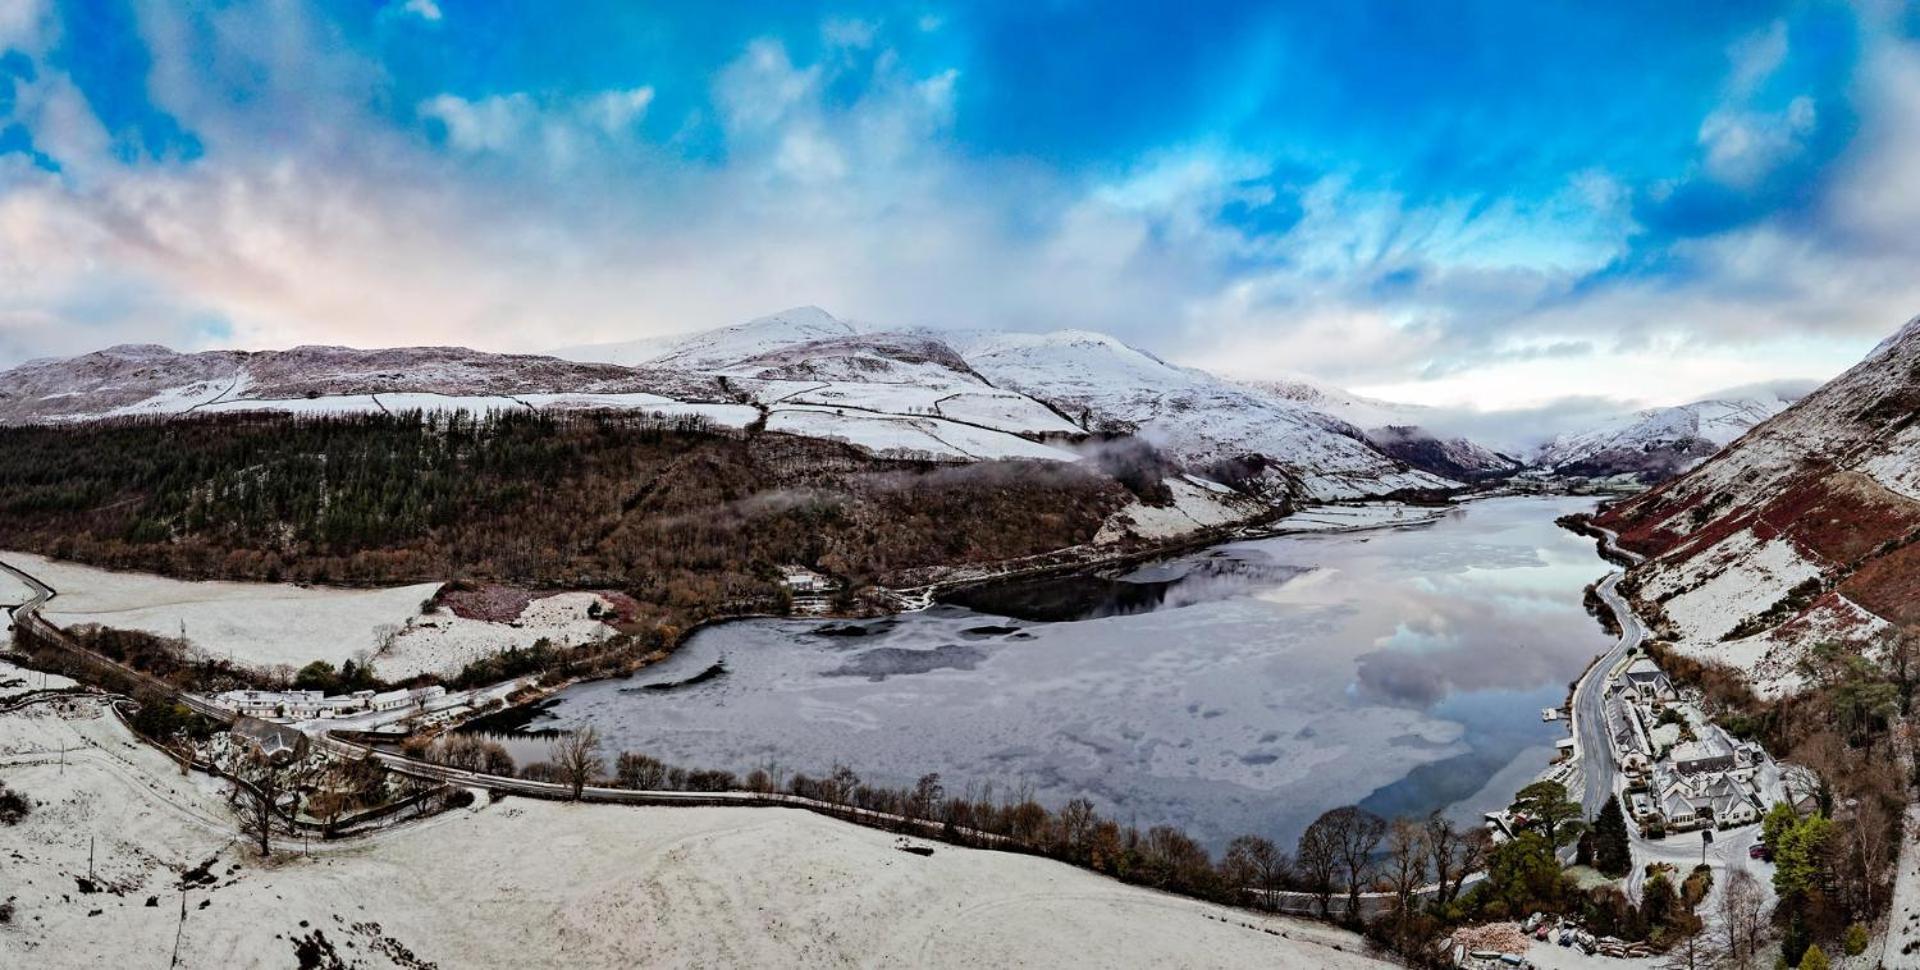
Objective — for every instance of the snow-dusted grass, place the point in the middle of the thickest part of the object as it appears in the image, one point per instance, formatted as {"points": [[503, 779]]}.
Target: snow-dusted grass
{"points": [[19, 681], [442, 643], [1345, 518], [13, 592], [310, 407], [884, 434], [1902, 938], [1195, 506], [520, 883], [1739, 578], [962, 402], [725, 415], [254, 624]]}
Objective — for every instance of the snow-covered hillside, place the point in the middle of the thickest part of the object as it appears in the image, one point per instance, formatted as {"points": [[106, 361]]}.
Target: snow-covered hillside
{"points": [[1658, 443], [1405, 432], [1043, 385], [1202, 420], [144, 380], [907, 394], [1803, 529]]}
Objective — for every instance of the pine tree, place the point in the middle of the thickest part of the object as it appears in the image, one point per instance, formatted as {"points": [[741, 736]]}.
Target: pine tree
{"points": [[1611, 854]]}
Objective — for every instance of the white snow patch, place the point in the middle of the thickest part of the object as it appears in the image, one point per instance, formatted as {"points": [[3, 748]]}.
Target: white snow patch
{"points": [[1194, 507], [442, 643], [254, 624], [512, 883], [890, 435], [1751, 576]]}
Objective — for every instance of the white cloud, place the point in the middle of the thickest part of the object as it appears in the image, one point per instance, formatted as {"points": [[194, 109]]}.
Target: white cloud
{"points": [[615, 111], [553, 220], [497, 123], [849, 33], [424, 9], [1755, 57], [1745, 146]]}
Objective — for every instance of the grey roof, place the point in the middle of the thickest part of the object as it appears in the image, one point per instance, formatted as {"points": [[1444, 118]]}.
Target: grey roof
{"points": [[277, 742]]}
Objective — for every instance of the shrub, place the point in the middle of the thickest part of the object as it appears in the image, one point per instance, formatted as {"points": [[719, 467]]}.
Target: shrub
{"points": [[1855, 941], [14, 806]]}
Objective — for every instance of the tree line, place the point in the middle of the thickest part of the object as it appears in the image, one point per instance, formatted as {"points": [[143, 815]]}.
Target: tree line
{"points": [[689, 520]]}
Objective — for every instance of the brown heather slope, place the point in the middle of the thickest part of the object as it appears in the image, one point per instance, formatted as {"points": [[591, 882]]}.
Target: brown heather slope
{"points": [[1803, 529]]}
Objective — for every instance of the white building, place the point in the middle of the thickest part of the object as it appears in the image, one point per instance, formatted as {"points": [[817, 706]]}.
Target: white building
{"points": [[394, 700], [800, 579], [294, 705]]}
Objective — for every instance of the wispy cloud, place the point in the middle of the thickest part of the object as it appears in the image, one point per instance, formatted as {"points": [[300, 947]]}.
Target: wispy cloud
{"points": [[367, 181]]}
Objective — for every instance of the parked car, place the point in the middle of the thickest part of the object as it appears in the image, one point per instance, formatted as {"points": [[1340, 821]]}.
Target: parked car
{"points": [[1760, 850]]}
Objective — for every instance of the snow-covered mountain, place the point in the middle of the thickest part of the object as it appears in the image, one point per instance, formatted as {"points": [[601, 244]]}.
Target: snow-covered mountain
{"points": [[146, 380], [1806, 528], [1204, 421], [1404, 432], [1658, 443], [909, 394]]}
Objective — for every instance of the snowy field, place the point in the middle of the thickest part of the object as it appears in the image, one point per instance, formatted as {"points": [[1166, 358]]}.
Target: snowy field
{"points": [[1197, 504], [442, 643], [725, 415], [268, 624], [1348, 518], [607, 886], [884, 433], [255, 624], [13, 592]]}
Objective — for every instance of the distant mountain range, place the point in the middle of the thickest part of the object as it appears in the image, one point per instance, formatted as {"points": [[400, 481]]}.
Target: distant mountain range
{"points": [[943, 395], [1807, 528]]}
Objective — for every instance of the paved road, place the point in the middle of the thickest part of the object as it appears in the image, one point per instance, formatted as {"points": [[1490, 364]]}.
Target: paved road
{"points": [[1591, 744]]}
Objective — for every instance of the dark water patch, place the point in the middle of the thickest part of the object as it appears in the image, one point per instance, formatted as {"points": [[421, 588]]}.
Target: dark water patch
{"points": [[1090, 596], [874, 629], [1259, 758], [719, 669], [883, 662], [983, 632], [1442, 782], [514, 721]]}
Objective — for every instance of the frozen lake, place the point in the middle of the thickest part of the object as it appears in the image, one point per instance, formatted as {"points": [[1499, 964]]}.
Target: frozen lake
{"points": [[1243, 689]]}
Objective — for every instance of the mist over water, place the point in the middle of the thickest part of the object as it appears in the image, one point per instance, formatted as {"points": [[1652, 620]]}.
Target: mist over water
{"points": [[1243, 689]]}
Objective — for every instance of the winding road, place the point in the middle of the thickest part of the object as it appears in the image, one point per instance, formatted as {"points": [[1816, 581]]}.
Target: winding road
{"points": [[1589, 714]]}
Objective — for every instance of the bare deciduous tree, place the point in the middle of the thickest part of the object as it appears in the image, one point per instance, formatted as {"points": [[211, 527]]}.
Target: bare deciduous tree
{"points": [[576, 758], [640, 771], [1407, 854], [1744, 921], [1254, 863], [1317, 861], [1359, 832], [1693, 949], [265, 783], [1456, 854]]}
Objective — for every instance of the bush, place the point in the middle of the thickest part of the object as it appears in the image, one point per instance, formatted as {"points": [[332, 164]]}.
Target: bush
{"points": [[14, 806], [1814, 959], [1855, 941]]}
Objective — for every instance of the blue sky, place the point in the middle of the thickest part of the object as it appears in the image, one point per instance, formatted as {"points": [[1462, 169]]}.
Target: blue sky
{"points": [[1480, 204]]}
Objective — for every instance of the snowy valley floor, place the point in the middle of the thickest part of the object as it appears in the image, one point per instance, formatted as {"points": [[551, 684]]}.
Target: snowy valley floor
{"points": [[524, 883]]}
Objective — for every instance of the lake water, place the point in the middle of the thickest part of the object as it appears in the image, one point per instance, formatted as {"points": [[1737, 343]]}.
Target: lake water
{"points": [[1244, 689]]}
